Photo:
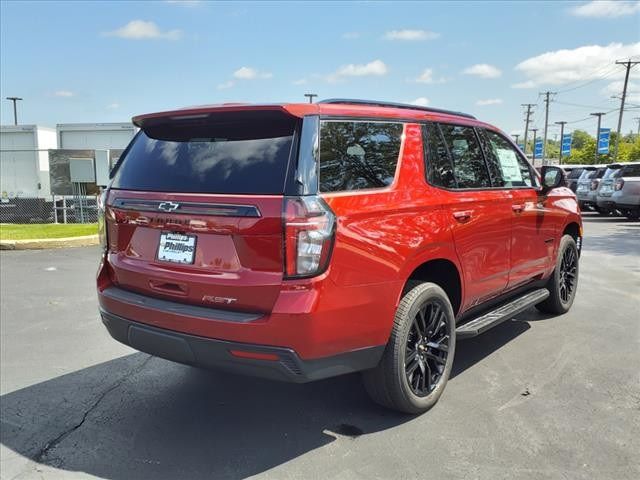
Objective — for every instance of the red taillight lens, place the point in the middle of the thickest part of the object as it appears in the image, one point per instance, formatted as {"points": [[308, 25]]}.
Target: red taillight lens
{"points": [[102, 227], [619, 184], [309, 227], [594, 184]]}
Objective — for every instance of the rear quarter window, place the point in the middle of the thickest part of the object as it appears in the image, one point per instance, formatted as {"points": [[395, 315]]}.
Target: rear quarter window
{"points": [[630, 171], [355, 155]]}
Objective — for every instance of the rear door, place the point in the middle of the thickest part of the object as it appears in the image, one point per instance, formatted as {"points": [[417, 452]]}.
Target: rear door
{"points": [[194, 211], [480, 216]]}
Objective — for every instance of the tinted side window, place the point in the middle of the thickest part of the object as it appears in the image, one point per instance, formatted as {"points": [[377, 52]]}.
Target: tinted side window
{"points": [[514, 169], [630, 171], [468, 163], [357, 155], [437, 162]]}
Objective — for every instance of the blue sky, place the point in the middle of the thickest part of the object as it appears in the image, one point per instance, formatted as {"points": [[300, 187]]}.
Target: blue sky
{"points": [[106, 61]]}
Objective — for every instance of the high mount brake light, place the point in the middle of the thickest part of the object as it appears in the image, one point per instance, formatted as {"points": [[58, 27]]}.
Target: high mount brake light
{"points": [[309, 230], [102, 226]]}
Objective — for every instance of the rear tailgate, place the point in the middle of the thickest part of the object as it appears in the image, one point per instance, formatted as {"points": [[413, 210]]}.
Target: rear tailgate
{"points": [[194, 212]]}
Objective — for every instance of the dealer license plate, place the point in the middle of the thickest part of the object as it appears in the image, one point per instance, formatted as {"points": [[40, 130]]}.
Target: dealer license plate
{"points": [[176, 247]]}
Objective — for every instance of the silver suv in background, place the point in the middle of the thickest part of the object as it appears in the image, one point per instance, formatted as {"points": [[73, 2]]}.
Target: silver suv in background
{"points": [[626, 191], [587, 185], [604, 204]]}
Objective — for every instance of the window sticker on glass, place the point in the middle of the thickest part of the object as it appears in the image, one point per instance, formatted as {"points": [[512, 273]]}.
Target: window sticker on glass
{"points": [[509, 165]]}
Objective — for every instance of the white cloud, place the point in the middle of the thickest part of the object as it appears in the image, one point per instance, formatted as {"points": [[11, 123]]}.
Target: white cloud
{"points": [[143, 30], [427, 77], [615, 88], [184, 3], [527, 84], [351, 35], [225, 85], [576, 65], [483, 70], [420, 101], [411, 35], [489, 101], [301, 81], [376, 67], [113, 106], [248, 73], [63, 93], [602, 8]]}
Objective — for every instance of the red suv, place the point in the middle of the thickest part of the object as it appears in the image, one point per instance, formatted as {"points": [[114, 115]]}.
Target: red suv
{"points": [[303, 241]]}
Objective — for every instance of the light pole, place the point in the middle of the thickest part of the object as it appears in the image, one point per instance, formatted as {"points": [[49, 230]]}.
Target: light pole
{"points": [[533, 159], [562, 124], [599, 115], [15, 110], [310, 96]]}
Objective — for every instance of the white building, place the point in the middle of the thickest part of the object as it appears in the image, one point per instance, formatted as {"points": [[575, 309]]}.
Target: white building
{"points": [[94, 136], [24, 160]]}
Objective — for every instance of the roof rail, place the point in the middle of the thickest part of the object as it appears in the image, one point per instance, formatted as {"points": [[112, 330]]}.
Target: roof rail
{"points": [[373, 103]]}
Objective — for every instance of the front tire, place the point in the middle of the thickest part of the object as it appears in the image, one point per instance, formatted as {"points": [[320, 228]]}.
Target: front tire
{"points": [[417, 360], [563, 283]]}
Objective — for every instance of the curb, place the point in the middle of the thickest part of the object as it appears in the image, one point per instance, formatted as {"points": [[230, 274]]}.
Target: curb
{"points": [[39, 244]]}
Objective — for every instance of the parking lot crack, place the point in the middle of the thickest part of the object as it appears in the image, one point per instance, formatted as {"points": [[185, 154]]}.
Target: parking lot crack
{"points": [[41, 456]]}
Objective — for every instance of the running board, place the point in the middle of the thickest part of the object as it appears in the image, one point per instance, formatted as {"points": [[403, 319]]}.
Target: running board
{"points": [[505, 312]]}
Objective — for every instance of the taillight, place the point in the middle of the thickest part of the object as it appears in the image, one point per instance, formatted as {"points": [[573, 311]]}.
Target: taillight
{"points": [[102, 227], [619, 184], [309, 227], [594, 184]]}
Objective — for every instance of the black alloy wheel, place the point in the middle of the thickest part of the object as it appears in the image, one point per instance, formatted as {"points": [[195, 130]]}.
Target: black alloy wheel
{"points": [[427, 348]]}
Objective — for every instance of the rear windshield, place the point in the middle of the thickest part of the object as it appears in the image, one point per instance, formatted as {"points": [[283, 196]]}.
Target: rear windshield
{"points": [[236, 155], [630, 171], [575, 173], [610, 172]]}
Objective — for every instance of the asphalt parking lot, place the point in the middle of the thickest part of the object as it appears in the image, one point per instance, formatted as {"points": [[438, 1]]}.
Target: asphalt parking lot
{"points": [[534, 398]]}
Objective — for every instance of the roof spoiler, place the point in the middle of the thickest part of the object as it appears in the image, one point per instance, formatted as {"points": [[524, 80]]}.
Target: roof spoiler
{"points": [[373, 103]]}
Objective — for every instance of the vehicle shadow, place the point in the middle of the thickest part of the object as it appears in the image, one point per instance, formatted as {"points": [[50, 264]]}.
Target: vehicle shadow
{"points": [[143, 417]]}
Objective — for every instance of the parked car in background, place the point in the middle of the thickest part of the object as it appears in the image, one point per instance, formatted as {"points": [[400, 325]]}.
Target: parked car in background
{"points": [[572, 175], [303, 241], [604, 204], [626, 191], [587, 186]]}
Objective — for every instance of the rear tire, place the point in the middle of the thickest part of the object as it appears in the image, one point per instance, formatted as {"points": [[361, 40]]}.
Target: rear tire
{"points": [[417, 360], [563, 283], [603, 211], [632, 214]]}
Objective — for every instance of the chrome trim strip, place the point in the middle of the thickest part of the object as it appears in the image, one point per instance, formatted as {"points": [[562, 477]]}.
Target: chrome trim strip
{"points": [[193, 208]]}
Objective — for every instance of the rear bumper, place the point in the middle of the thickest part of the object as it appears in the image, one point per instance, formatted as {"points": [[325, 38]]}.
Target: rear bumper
{"points": [[282, 364], [606, 203]]}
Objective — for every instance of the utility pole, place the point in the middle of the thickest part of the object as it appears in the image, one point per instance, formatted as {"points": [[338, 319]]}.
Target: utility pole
{"points": [[628, 64], [310, 96], [547, 99], [599, 115], [517, 135], [533, 159], [562, 124], [526, 124], [638, 119], [15, 110]]}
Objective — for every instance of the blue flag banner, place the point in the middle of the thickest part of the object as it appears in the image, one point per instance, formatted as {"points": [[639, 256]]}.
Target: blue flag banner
{"points": [[538, 149], [566, 145], [603, 140]]}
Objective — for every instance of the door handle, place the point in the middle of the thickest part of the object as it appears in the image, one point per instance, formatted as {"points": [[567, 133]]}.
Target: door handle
{"points": [[462, 216], [518, 208]]}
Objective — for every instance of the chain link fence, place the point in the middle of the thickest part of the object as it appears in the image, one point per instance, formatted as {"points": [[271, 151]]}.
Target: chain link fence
{"points": [[54, 209]]}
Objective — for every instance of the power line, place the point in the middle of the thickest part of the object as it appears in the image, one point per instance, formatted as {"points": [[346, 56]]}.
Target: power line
{"points": [[594, 80]]}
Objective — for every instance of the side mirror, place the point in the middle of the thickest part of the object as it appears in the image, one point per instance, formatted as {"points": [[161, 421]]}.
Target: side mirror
{"points": [[552, 177]]}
